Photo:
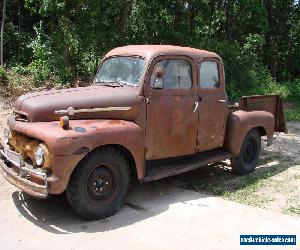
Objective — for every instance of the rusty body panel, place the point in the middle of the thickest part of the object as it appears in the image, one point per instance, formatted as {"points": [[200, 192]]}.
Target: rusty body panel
{"points": [[213, 109], [150, 123], [171, 122], [263, 112], [149, 52], [41, 106], [270, 103], [241, 122]]}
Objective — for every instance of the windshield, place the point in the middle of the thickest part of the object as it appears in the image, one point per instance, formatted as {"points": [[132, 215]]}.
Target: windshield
{"points": [[121, 70]]}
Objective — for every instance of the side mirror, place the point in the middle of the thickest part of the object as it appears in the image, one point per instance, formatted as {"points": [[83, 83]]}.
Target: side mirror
{"points": [[157, 77]]}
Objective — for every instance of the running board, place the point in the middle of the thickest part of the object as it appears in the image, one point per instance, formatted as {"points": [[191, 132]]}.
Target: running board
{"points": [[159, 169]]}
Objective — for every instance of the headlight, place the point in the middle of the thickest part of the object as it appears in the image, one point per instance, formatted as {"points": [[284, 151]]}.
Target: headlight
{"points": [[39, 155], [42, 156], [6, 134]]}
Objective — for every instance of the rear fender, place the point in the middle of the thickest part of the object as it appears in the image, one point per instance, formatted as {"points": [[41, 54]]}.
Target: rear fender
{"points": [[240, 122]]}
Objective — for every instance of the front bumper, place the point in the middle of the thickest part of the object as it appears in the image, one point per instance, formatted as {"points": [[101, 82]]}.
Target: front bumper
{"points": [[21, 174]]}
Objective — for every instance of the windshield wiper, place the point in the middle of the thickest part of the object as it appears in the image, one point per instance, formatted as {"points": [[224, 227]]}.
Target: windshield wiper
{"points": [[115, 83], [126, 83], [110, 83]]}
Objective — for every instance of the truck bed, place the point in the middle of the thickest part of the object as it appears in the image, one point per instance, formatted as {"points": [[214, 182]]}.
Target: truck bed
{"points": [[270, 103]]}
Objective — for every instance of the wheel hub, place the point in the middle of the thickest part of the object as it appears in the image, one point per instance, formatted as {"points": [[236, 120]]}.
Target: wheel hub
{"points": [[100, 183]]}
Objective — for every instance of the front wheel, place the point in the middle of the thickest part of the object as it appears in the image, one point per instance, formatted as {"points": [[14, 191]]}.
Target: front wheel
{"points": [[246, 161], [99, 184]]}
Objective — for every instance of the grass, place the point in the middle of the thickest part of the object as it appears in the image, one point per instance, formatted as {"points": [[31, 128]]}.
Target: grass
{"points": [[293, 112], [273, 185], [292, 210], [293, 206]]}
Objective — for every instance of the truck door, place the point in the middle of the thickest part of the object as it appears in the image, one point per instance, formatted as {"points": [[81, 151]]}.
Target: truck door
{"points": [[171, 128], [213, 104]]}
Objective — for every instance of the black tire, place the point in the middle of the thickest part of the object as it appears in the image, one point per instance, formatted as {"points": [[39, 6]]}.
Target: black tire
{"points": [[99, 184], [247, 159]]}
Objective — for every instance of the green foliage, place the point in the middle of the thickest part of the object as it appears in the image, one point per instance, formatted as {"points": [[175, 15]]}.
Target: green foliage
{"points": [[48, 57], [20, 70], [289, 91], [3, 76], [294, 91], [40, 65], [259, 41]]}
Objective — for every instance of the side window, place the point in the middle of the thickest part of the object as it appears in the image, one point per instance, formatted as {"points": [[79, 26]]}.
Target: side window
{"points": [[177, 74], [209, 75]]}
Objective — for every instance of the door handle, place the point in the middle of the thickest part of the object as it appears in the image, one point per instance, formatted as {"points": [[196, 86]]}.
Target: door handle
{"points": [[196, 106], [222, 100], [147, 100]]}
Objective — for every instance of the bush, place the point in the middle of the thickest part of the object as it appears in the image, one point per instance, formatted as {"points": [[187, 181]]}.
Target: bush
{"points": [[3, 76], [294, 91], [289, 91], [40, 66], [21, 70]]}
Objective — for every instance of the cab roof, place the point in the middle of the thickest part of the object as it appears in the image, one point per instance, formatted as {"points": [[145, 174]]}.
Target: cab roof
{"points": [[151, 51]]}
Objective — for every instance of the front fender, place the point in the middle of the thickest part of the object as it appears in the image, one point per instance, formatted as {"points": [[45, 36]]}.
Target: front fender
{"points": [[69, 146], [240, 122]]}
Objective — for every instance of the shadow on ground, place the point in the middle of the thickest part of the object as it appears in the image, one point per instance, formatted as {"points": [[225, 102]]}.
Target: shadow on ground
{"points": [[144, 201], [217, 179]]}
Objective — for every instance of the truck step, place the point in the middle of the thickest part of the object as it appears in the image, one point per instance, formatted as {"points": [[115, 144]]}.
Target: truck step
{"points": [[158, 169]]}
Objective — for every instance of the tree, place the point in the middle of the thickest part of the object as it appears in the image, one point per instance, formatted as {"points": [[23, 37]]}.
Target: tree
{"points": [[254, 38], [2, 32]]}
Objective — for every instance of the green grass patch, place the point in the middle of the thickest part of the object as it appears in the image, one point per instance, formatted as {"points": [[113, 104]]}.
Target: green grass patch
{"points": [[293, 206], [292, 210]]}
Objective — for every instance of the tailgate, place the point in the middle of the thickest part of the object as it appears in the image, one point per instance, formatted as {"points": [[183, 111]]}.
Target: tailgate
{"points": [[270, 103]]}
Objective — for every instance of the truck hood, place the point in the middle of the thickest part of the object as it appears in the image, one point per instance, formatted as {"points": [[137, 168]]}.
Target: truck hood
{"points": [[40, 106]]}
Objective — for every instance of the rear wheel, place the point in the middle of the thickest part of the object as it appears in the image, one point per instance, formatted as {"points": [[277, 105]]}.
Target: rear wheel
{"points": [[247, 159], [99, 184]]}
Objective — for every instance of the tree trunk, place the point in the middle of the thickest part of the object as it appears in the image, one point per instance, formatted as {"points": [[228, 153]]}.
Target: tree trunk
{"points": [[67, 55], [2, 32]]}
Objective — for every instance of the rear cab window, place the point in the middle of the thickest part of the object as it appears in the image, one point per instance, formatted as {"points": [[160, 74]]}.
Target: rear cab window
{"points": [[209, 75]]}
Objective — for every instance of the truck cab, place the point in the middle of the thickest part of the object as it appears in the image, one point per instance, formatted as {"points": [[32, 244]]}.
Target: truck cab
{"points": [[152, 111]]}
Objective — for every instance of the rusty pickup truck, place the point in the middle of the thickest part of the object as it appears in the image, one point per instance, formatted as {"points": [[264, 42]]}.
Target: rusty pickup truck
{"points": [[152, 111]]}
